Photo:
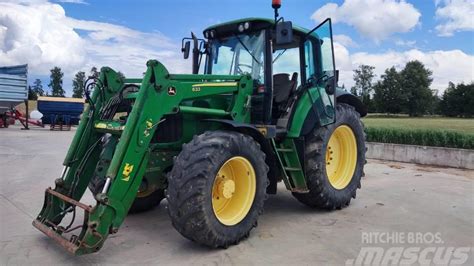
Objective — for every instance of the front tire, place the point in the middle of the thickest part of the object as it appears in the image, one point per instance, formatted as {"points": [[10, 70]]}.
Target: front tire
{"points": [[217, 188], [335, 161]]}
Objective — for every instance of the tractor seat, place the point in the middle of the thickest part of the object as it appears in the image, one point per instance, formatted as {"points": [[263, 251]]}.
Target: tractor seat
{"points": [[283, 87]]}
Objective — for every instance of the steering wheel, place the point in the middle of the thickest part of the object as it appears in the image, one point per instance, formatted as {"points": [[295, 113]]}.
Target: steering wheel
{"points": [[240, 71]]}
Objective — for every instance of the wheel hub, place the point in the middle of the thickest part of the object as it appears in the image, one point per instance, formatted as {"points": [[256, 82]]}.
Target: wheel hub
{"points": [[233, 190], [226, 188]]}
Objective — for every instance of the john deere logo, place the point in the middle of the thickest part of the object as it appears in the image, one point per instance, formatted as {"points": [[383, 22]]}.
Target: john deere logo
{"points": [[171, 91], [127, 170]]}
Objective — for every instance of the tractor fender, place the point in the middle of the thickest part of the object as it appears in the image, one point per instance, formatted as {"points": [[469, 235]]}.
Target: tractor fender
{"points": [[265, 145], [342, 96]]}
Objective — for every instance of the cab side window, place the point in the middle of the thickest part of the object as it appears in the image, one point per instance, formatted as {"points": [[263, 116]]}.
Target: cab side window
{"points": [[287, 61], [309, 60]]}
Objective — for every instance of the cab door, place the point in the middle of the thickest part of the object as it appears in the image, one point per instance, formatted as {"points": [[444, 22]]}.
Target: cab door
{"points": [[320, 73]]}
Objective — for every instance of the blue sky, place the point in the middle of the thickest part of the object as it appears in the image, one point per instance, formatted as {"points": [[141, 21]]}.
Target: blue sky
{"points": [[77, 34], [177, 18]]}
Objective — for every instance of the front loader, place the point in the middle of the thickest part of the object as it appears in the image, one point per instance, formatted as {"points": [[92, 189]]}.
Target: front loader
{"points": [[260, 107]]}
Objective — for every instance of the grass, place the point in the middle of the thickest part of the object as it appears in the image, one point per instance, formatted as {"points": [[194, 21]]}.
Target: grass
{"points": [[426, 131], [460, 125]]}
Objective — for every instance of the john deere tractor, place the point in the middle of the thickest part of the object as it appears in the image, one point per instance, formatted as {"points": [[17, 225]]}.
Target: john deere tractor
{"points": [[261, 106]]}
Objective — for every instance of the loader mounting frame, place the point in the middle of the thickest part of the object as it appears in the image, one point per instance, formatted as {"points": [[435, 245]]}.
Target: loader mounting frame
{"points": [[131, 156]]}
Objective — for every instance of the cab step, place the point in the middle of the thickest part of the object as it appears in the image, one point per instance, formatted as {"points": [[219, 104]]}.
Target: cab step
{"points": [[293, 174]]}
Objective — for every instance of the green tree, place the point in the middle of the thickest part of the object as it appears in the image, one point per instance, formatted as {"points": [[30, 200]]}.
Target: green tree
{"points": [[458, 100], [363, 77], [354, 91], [32, 94], [466, 92], [38, 88], [78, 84], [56, 83], [416, 80], [435, 103], [388, 93]]}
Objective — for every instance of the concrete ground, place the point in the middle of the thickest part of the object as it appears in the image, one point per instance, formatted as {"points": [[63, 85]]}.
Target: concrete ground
{"points": [[395, 197]]}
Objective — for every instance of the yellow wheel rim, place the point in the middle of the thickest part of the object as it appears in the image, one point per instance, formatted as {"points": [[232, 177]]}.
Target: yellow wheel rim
{"points": [[145, 193], [144, 190], [341, 157], [233, 190]]}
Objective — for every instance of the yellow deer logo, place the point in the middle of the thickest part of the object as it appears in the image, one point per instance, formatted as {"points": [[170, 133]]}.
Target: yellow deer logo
{"points": [[127, 170], [148, 126]]}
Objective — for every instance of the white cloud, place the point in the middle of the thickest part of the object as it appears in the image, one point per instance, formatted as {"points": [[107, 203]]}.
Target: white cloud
{"points": [[73, 1], [36, 34], [345, 40], [41, 34], [405, 43], [453, 65], [375, 19], [456, 15]]}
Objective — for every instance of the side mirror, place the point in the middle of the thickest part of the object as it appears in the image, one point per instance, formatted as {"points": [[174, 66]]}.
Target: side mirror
{"points": [[284, 32], [186, 48]]}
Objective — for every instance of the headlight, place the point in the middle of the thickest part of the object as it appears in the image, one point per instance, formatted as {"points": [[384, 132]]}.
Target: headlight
{"points": [[213, 34], [247, 25], [206, 34], [241, 28]]}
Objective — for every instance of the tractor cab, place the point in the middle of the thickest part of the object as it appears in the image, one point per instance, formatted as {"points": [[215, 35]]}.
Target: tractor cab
{"points": [[283, 60]]}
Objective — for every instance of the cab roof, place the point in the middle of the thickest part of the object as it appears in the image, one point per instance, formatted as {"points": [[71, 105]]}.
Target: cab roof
{"points": [[256, 23]]}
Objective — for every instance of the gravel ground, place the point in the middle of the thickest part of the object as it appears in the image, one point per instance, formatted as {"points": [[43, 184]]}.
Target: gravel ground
{"points": [[397, 199]]}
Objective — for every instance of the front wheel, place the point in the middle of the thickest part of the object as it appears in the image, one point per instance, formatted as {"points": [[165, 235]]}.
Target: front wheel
{"points": [[217, 187], [335, 161]]}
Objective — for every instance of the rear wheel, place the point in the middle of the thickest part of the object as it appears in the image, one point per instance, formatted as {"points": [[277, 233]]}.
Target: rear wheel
{"points": [[335, 161], [217, 187]]}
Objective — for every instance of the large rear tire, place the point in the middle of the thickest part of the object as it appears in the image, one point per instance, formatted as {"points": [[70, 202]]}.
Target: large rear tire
{"points": [[217, 187], [335, 161]]}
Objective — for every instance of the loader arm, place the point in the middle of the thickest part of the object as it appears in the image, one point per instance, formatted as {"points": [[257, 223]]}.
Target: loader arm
{"points": [[159, 94]]}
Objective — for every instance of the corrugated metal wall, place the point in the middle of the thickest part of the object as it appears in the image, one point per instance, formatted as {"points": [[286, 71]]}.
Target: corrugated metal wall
{"points": [[58, 107], [13, 86]]}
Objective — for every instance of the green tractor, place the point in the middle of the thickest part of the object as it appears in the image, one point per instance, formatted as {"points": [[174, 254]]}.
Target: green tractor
{"points": [[261, 106]]}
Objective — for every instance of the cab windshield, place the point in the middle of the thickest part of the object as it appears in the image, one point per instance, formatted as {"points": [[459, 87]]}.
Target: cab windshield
{"points": [[238, 54]]}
